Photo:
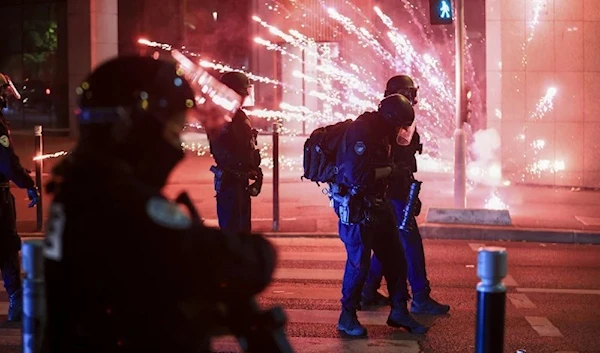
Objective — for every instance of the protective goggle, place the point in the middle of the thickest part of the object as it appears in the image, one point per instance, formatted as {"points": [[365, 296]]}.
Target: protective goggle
{"points": [[405, 134]]}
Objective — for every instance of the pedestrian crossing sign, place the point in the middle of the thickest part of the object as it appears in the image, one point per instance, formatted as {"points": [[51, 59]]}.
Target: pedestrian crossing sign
{"points": [[440, 12]]}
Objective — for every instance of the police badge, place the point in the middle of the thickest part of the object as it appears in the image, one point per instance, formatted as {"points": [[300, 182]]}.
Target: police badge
{"points": [[360, 148]]}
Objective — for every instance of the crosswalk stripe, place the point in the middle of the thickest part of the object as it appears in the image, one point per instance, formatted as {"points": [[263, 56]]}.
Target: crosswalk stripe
{"points": [[330, 317], [312, 256], [291, 292], [543, 326], [328, 345], [475, 246], [520, 301], [325, 242], [305, 273], [509, 281]]}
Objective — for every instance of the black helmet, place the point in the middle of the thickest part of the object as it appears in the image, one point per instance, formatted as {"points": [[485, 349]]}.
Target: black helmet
{"points": [[237, 81], [404, 85], [397, 110], [145, 86], [133, 108]]}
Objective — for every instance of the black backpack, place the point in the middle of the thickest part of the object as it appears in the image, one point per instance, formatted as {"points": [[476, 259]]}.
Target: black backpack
{"points": [[320, 152]]}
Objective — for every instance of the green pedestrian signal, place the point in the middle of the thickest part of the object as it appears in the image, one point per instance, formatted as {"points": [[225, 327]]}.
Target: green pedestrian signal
{"points": [[440, 12]]}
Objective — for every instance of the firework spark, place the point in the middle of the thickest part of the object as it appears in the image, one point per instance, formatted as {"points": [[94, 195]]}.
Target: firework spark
{"points": [[51, 155]]}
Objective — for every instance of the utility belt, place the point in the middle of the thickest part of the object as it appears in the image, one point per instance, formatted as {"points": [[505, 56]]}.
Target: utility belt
{"points": [[220, 172], [353, 205], [222, 175]]}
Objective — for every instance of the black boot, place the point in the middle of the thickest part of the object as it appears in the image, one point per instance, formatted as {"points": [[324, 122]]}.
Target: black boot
{"points": [[399, 317], [348, 323], [423, 304], [377, 299], [15, 306]]}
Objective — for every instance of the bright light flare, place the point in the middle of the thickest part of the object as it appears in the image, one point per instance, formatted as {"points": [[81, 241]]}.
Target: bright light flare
{"points": [[494, 202], [544, 105], [51, 155]]}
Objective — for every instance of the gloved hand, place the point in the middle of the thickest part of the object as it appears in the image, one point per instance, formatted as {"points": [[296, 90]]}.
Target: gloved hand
{"points": [[33, 196], [255, 187], [418, 206]]}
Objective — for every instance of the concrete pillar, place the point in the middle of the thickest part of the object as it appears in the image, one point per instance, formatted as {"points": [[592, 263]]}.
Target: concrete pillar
{"points": [[92, 39]]}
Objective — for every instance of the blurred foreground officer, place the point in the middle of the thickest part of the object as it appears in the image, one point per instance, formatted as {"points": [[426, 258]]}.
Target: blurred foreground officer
{"points": [[10, 242], [126, 269], [238, 161], [367, 220], [404, 154]]}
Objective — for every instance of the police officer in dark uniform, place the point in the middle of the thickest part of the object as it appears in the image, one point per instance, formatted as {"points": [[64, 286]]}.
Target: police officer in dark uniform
{"points": [[10, 242], [367, 220], [404, 159], [238, 161], [126, 269]]}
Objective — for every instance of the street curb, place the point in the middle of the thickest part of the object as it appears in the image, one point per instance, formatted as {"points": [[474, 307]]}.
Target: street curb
{"points": [[488, 233]]}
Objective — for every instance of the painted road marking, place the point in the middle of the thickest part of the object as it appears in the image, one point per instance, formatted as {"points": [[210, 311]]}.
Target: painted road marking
{"points": [[543, 326], [589, 221], [291, 292], [509, 281], [327, 345], [308, 273], [312, 256], [312, 242], [475, 246], [331, 317], [520, 301], [559, 291]]}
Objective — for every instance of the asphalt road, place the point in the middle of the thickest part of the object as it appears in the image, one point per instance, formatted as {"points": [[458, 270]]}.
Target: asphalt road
{"points": [[553, 300]]}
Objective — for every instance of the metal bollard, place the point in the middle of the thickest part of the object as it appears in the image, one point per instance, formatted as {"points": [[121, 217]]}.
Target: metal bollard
{"points": [[39, 168], [276, 176], [34, 295], [491, 300]]}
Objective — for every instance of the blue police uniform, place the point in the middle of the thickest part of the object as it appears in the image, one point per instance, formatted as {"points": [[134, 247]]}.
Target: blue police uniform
{"points": [[370, 224], [238, 160], [404, 157], [10, 242]]}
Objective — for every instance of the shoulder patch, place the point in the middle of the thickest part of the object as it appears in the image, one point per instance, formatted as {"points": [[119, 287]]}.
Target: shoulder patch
{"points": [[167, 214], [360, 148], [4, 141]]}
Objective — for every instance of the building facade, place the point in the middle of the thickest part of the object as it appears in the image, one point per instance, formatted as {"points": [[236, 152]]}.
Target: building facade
{"points": [[543, 74]]}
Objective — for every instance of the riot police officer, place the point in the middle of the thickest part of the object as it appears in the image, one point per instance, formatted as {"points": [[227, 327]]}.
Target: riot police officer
{"points": [[10, 242], [367, 221], [126, 269], [404, 159], [238, 161]]}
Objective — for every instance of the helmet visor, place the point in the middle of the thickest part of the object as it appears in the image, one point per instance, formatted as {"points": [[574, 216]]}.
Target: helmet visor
{"points": [[405, 134]]}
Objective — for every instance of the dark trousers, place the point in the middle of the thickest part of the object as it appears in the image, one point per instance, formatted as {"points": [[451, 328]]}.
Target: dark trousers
{"points": [[381, 237], [10, 243], [233, 207], [415, 258]]}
